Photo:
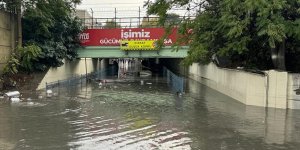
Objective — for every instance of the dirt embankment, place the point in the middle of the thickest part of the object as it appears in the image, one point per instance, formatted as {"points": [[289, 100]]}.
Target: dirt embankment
{"points": [[22, 82]]}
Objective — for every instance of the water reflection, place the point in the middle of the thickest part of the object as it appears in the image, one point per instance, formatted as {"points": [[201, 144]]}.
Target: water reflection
{"points": [[125, 114], [250, 126], [125, 123]]}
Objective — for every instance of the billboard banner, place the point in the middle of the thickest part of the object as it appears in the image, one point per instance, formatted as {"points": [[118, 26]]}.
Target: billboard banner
{"points": [[113, 37], [138, 45]]}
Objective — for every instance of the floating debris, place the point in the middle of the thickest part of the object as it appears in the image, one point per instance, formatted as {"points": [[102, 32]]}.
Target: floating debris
{"points": [[179, 94], [49, 93], [15, 99], [12, 94], [55, 94]]}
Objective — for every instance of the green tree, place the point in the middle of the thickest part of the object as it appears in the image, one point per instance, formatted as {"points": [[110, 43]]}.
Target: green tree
{"points": [[249, 32], [10, 69], [27, 55], [51, 25]]}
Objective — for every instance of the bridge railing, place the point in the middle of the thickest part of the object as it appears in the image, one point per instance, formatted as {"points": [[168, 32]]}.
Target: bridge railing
{"points": [[71, 81], [79, 79], [128, 17], [130, 22]]}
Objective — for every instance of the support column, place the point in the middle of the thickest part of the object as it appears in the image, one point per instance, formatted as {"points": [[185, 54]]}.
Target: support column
{"points": [[277, 95], [19, 18]]}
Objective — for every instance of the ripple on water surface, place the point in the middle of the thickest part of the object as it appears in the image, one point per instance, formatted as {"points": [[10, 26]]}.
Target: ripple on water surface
{"points": [[132, 116], [118, 120]]}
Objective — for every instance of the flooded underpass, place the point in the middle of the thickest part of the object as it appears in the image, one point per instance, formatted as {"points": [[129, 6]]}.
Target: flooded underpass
{"points": [[135, 113]]}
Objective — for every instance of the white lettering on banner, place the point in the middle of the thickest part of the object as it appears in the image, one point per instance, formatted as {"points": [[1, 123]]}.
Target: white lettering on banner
{"points": [[115, 41], [109, 41], [84, 36], [131, 34], [168, 41]]}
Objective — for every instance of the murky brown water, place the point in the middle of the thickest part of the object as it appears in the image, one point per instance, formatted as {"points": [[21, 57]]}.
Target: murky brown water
{"points": [[128, 115], [131, 116]]}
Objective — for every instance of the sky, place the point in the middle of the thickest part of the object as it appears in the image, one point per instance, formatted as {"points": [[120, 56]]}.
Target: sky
{"points": [[111, 3], [125, 8], [106, 8]]}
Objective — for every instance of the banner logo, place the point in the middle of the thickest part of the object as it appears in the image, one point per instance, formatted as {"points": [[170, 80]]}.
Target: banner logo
{"points": [[134, 34]]}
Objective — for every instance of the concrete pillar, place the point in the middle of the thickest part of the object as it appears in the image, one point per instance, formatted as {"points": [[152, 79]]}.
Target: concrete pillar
{"points": [[8, 36], [103, 65], [277, 91], [156, 61], [95, 62], [14, 28], [19, 25]]}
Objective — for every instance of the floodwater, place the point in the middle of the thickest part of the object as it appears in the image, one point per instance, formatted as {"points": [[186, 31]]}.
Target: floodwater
{"points": [[128, 115]]}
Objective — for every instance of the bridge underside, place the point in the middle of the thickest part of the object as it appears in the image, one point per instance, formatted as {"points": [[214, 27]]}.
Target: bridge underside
{"points": [[115, 52]]}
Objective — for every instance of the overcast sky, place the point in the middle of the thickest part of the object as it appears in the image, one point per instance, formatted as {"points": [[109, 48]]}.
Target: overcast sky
{"points": [[105, 8], [87, 4]]}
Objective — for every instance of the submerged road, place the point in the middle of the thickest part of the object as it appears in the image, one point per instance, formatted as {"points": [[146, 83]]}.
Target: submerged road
{"points": [[129, 115]]}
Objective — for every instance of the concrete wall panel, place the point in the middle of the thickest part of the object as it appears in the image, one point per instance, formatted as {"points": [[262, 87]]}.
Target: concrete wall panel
{"points": [[4, 20], [8, 36], [293, 91], [5, 38], [269, 90]]}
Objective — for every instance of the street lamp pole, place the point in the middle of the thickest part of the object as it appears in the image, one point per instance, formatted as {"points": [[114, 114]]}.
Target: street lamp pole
{"points": [[92, 18]]}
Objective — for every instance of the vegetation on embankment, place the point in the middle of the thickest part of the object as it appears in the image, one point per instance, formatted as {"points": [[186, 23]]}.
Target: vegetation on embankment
{"points": [[50, 34], [256, 34]]}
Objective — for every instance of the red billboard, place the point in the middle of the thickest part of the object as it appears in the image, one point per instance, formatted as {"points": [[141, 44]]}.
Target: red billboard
{"points": [[112, 37]]}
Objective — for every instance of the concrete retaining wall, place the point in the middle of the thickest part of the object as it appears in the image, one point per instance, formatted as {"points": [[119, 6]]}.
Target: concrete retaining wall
{"points": [[8, 38], [293, 91], [273, 89], [70, 69]]}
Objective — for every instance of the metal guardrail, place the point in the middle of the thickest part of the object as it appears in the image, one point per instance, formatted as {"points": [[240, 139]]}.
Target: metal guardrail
{"points": [[128, 17], [176, 82], [77, 79], [130, 22]]}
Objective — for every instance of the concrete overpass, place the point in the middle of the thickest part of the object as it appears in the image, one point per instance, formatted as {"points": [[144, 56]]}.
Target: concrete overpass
{"points": [[116, 52], [121, 43]]}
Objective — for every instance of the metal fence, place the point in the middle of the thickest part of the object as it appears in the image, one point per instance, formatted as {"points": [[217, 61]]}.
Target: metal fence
{"points": [[129, 22], [72, 81], [127, 18], [80, 79], [176, 82]]}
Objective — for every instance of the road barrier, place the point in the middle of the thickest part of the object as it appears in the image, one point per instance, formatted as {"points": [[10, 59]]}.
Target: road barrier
{"points": [[79, 79], [176, 82]]}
